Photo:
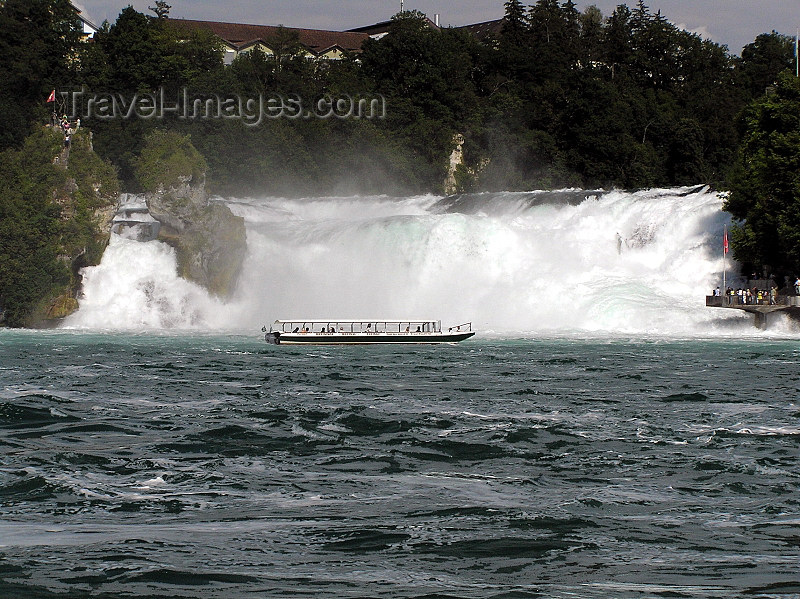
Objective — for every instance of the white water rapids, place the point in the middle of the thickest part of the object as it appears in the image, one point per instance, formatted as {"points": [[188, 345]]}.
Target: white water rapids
{"points": [[514, 264]]}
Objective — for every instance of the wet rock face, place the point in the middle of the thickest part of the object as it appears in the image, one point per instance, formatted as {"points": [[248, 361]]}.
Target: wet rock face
{"points": [[212, 249], [210, 241], [178, 207]]}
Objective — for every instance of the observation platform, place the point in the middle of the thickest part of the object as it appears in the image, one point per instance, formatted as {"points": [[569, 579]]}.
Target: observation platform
{"points": [[760, 309]]}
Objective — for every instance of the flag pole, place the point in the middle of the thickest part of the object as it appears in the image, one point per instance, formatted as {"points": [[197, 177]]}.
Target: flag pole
{"points": [[724, 261]]}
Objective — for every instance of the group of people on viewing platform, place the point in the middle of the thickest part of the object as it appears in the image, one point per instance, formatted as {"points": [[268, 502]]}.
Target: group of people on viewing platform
{"points": [[765, 292], [754, 296]]}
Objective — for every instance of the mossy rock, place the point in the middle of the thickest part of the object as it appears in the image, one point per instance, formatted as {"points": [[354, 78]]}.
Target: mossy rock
{"points": [[212, 250], [63, 306], [168, 159], [60, 224]]}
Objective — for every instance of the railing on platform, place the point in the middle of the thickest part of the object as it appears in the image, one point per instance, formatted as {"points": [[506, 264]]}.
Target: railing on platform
{"points": [[736, 301]]}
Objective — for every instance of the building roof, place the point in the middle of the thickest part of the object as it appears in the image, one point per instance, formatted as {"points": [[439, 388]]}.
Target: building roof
{"points": [[239, 35], [89, 28], [486, 29], [377, 28], [383, 27]]}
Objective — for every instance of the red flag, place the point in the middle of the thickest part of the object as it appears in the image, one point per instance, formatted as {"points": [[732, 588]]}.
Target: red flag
{"points": [[52, 96], [725, 242]]}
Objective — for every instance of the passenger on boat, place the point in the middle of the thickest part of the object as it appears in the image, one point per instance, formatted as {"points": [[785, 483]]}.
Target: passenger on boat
{"points": [[418, 331], [297, 329]]}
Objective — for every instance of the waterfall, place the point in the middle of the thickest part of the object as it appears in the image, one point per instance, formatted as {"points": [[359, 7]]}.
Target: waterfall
{"points": [[556, 263]]}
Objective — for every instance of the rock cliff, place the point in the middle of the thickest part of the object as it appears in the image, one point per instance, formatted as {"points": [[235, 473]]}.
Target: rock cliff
{"points": [[210, 241], [85, 204]]}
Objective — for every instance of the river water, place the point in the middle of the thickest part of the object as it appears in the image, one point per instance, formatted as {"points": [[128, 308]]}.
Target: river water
{"points": [[604, 435], [218, 466]]}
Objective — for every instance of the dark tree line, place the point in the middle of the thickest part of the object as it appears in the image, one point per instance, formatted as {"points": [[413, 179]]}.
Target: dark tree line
{"points": [[765, 183], [626, 100], [559, 97], [39, 40]]}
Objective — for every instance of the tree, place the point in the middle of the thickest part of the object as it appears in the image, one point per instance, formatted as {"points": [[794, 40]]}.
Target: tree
{"points": [[762, 60], [514, 20], [289, 58], [686, 161], [168, 159], [554, 38], [617, 41], [514, 42], [426, 75], [133, 53], [656, 48], [141, 53], [765, 186], [161, 9], [255, 71], [38, 42], [591, 25]]}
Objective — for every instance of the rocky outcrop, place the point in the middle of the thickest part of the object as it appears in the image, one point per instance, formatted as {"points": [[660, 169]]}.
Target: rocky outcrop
{"points": [[60, 307], [456, 159], [210, 241], [461, 177], [86, 202]]}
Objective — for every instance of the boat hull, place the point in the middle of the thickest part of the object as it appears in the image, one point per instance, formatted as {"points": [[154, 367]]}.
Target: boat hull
{"points": [[279, 338]]}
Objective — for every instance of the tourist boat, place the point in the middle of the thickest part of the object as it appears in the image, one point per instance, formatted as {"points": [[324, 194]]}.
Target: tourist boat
{"points": [[363, 332]]}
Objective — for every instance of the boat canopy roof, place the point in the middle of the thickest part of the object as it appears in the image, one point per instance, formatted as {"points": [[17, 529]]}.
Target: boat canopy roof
{"points": [[354, 321], [368, 327]]}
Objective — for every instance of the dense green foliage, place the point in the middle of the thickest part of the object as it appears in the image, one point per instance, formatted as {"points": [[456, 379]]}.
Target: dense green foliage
{"points": [[29, 226], [92, 186], [168, 159], [48, 226], [765, 186], [38, 42], [558, 97]]}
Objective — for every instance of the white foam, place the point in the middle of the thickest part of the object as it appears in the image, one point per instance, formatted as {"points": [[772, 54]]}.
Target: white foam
{"points": [[136, 286], [621, 264]]}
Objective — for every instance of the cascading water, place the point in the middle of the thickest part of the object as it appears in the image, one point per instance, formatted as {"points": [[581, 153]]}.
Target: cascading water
{"points": [[515, 264]]}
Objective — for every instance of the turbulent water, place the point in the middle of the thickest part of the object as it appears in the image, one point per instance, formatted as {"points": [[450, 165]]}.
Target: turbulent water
{"points": [[220, 467], [604, 435], [514, 264]]}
